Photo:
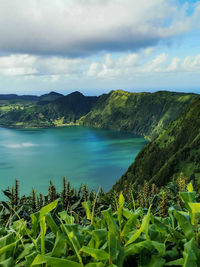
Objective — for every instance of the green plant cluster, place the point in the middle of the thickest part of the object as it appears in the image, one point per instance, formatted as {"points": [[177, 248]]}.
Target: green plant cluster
{"points": [[122, 234]]}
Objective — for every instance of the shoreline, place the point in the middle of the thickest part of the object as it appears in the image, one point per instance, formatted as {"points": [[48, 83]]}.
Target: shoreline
{"points": [[73, 124]]}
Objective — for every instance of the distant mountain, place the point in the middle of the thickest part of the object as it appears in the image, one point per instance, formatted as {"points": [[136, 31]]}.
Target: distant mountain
{"points": [[145, 114], [175, 150], [17, 97], [61, 111], [47, 98]]}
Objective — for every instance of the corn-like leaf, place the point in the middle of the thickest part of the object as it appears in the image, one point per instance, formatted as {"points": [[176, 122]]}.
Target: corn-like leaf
{"points": [[51, 223], [95, 264], [144, 228], [7, 263], [54, 262], [46, 209], [191, 254], [130, 224], [87, 206], [195, 207], [59, 245], [190, 187], [98, 254], [185, 224], [178, 262], [188, 197], [156, 261]]}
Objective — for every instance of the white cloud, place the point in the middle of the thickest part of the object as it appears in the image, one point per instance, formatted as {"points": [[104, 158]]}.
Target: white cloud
{"points": [[84, 27], [15, 65], [130, 65], [23, 65]]}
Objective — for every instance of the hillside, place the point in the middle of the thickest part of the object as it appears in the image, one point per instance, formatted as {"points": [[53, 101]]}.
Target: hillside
{"points": [[145, 114], [52, 110], [175, 150]]}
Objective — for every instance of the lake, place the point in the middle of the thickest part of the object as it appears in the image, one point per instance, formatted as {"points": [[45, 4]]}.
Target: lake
{"points": [[84, 155]]}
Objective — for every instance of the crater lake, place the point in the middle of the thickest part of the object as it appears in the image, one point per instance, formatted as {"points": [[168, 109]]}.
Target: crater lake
{"points": [[84, 155]]}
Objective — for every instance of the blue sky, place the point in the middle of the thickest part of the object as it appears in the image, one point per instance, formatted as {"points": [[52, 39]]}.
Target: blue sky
{"points": [[95, 46]]}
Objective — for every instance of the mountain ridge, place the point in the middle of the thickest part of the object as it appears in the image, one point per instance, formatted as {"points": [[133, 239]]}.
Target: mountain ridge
{"points": [[145, 114], [175, 150]]}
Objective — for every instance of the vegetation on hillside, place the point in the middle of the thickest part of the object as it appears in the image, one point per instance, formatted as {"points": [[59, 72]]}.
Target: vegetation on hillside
{"points": [[163, 231], [175, 150], [50, 110], [145, 114]]}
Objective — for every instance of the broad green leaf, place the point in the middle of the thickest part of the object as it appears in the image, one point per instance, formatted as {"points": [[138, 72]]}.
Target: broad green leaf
{"points": [[8, 248], [160, 247], [195, 207], [46, 209], [7, 263], [156, 261], [114, 246], [185, 224], [54, 262], [71, 232], [95, 264], [98, 254], [138, 247], [59, 245], [188, 197], [190, 187], [51, 223], [144, 228], [65, 217], [99, 237], [130, 224], [87, 206], [35, 220], [7, 244], [30, 257], [178, 262], [26, 251], [159, 225], [191, 254], [43, 229], [113, 228]]}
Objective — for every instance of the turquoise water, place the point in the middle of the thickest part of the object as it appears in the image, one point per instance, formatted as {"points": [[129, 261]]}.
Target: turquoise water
{"points": [[84, 155]]}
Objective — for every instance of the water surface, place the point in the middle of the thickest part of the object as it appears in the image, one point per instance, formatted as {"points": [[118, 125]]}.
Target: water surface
{"points": [[93, 156]]}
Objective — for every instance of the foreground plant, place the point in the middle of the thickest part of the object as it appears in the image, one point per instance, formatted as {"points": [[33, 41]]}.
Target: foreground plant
{"points": [[125, 237]]}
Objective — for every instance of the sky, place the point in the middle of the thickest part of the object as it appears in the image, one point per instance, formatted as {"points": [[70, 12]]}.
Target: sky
{"points": [[95, 46]]}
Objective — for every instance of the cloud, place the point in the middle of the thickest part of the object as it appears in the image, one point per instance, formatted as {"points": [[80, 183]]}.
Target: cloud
{"points": [[28, 65], [132, 64], [77, 28], [15, 65], [109, 66]]}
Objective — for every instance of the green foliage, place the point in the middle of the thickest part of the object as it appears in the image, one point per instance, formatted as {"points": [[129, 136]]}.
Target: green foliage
{"points": [[125, 236], [47, 111], [175, 150], [145, 114]]}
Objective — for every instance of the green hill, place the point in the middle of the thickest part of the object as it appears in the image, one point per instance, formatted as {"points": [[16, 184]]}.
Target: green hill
{"points": [[63, 110], [175, 150], [145, 114]]}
